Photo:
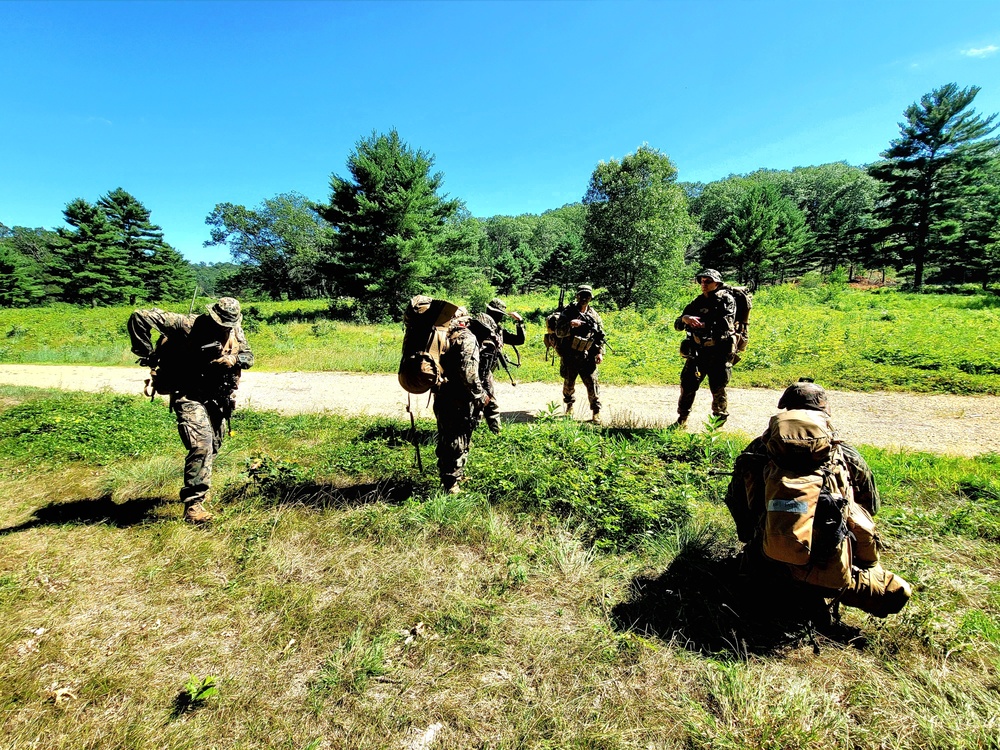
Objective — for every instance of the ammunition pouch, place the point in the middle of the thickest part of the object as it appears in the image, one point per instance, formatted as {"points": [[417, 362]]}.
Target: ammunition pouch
{"points": [[688, 349], [579, 344]]}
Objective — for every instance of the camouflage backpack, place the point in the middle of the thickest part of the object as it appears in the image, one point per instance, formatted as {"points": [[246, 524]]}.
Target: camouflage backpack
{"points": [[744, 303]]}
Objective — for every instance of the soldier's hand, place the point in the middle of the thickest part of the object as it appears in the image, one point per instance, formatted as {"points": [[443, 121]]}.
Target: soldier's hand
{"points": [[693, 321], [575, 323], [516, 317], [226, 360], [599, 358]]}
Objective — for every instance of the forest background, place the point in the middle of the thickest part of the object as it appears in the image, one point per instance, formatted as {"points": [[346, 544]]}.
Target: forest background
{"points": [[925, 213]]}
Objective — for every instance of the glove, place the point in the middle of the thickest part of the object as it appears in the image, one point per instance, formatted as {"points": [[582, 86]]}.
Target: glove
{"points": [[226, 360]]}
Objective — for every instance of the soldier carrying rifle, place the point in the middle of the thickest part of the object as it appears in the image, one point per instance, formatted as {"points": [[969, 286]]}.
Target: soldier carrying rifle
{"points": [[581, 342], [492, 355]]}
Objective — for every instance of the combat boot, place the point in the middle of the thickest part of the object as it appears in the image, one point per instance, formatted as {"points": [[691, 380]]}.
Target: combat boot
{"points": [[680, 424], [596, 418], [196, 513], [569, 410]]}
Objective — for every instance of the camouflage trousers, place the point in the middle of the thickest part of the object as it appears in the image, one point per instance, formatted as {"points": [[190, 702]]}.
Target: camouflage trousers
{"points": [[718, 370], [570, 367], [201, 428], [456, 419], [491, 412]]}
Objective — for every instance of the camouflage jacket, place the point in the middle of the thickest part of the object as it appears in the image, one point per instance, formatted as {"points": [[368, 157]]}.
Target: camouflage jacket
{"points": [[717, 311], [461, 368], [592, 328], [194, 341]]}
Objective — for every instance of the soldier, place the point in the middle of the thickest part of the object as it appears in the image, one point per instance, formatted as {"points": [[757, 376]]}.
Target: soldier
{"points": [[492, 352], [198, 363], [709, 321], [872, 588], [459, 401], [580, 335]]}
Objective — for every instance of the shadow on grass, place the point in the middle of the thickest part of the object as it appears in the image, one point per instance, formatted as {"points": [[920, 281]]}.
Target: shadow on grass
{"points": [[707, 603], [92, 511], [517, 416], [324, 495]]}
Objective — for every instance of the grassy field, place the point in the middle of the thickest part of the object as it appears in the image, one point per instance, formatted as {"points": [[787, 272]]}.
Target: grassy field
{"points": [[844, 338], [580, 594]]}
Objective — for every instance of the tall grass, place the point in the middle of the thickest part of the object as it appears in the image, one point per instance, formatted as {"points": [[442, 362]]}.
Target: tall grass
{"points": [[847, 339], [339, 600]]}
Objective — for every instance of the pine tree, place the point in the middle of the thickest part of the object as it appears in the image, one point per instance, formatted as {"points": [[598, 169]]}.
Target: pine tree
{"points": [[389, 221], [138, 238], [91, 266], [930, 173]]}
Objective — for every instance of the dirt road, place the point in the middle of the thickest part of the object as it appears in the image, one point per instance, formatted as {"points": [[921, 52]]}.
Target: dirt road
{"points": [[960, 425]]}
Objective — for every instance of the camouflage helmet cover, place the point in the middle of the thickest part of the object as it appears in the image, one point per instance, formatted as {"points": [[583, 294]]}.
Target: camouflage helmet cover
{"points": [[226, 312], [804, 395], [585, 290]]}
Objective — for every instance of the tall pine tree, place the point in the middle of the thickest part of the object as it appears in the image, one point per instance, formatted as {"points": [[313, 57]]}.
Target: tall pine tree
{"points": [[91, 267], [931, 172]]}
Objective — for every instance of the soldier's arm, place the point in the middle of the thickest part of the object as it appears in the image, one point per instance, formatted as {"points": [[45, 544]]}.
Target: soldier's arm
{"points": [[470, 367], [517, 338], [142, 323], [862, 480], [599, 331], [689, 309], [563, 328]]}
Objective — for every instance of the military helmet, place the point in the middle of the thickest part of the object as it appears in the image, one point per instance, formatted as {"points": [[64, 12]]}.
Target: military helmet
{"points": [[709, 273], [804, 395], [226, 312]]}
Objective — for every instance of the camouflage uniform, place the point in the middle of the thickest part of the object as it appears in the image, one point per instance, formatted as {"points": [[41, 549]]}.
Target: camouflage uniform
{"points": [[457, 404], [582, 361], [712, 350], [206, 354], [491, 353]]}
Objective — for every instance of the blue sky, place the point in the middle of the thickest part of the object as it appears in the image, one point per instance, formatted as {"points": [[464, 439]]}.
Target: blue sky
{"points": [[189, 104]]}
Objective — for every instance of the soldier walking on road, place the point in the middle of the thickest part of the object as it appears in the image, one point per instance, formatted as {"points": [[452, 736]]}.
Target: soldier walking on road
{"points": [[197, 362], [580, 334], [709, 321], [460, 401], [492, 352]]}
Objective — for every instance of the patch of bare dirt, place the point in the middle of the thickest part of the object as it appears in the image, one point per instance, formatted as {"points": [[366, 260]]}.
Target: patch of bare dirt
{"points": [[960, 425]]}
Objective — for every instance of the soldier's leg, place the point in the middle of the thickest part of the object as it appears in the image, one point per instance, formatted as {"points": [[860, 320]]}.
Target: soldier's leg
{"points": [[691, 378], [199, 437], [455, 425], [719, 374], [588, 375], [568, 370]]}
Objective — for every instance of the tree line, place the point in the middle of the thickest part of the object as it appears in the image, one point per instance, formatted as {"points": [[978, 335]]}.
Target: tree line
{"points": [[928, 210]]}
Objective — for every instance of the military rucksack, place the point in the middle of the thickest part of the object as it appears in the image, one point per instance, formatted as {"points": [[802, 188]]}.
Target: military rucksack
{"points": [[425, 338], [744, 303], [167, 366], [808, 499]]}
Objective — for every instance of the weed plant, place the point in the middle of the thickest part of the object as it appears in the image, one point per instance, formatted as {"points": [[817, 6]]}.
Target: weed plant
{"points": [[877, 339], [579, 593]]}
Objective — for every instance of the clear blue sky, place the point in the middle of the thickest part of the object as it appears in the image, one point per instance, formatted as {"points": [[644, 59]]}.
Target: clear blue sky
{"points": [[189, 104]]}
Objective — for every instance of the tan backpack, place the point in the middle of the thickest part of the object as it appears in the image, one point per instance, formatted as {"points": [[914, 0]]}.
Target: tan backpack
{"points": [[425, 339]]}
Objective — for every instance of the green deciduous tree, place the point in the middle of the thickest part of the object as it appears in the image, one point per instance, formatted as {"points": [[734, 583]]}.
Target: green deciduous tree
{"points": [[389, 221], [283, 245], [637, 226], [931, 172]]}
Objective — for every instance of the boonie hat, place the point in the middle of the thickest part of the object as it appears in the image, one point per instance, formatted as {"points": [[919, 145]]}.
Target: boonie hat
{"points": [[226, 312], [709, 273], [585, 289], [496, 309], [804, 395]]}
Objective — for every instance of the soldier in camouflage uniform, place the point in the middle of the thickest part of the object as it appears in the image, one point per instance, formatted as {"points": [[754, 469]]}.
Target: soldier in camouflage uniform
{"points": [[710, 320], [198, 362], [459, 401], [580, 337], [492, 351], [873, 589]]}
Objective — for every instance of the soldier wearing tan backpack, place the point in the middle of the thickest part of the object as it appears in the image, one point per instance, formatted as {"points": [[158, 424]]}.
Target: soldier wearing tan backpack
{"points": [[804, 502]]}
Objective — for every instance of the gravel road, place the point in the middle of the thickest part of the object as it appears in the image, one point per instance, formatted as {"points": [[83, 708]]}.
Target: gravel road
{"points": [[960, 425]]}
